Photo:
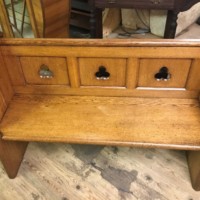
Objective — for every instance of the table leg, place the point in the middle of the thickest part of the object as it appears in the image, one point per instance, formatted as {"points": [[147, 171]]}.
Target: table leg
{"points": [[96, 23], [11, 155], [171, 24], [194, 168]]}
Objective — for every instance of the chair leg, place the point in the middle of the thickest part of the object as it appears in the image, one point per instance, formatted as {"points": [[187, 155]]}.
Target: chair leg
{"points": [[11, 155], [193, 158]]}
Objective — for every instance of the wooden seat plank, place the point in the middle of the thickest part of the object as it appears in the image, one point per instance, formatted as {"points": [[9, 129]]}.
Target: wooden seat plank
{"points": [[147, 122]]}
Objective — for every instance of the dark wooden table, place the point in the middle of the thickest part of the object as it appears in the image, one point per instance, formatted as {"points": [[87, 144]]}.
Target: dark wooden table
{"points": [[173, 7]]}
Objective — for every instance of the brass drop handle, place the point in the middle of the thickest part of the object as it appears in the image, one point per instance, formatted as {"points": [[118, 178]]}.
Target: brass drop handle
{"points": [[155, 2], [102, 74], [163, 74], [45, 72]]}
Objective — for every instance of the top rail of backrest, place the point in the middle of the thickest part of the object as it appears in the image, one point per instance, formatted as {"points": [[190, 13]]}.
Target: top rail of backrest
{"points": [[103, 42]]}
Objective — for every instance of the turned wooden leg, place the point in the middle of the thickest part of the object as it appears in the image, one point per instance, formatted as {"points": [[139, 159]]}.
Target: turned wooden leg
{"points": [[96, 29], [11, 155], [194, 168], [171, 24]]}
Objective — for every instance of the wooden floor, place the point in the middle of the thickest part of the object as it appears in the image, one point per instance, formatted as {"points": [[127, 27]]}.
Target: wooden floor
{"points": [[53, 171]]}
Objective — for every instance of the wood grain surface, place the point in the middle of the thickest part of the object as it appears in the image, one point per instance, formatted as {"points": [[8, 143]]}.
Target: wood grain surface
{"points": [[58, 66], [11, 155], [102, 42], [193, 164], [97, 52], [114, 66], [194, 78], [63, 171], [178, 69], [167, 123], [98, 117], [5, 22], [6, 90], [49, 18], [14, 68]]}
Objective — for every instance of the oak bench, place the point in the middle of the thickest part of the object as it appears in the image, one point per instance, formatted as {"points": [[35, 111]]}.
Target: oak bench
{"points": [[106, 92]]}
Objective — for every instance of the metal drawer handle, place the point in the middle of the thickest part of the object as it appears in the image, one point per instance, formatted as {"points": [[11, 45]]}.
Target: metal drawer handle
{"points": [[155, 1], [102, 74], [163, 74], [45, 72]]}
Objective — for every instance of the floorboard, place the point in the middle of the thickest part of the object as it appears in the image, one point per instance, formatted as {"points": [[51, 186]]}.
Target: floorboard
{"points": [[62, 171]]}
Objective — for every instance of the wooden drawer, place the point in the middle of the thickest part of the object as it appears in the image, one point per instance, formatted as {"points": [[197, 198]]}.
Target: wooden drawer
{"points": [[37, 70], [156, 4], [151, 73], [109, 72]]}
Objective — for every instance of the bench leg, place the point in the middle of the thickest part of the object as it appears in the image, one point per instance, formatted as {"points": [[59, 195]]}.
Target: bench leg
{"points": [[193, 158], [11, 155]]}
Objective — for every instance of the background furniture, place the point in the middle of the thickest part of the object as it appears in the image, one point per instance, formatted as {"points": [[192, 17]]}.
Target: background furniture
{"points": [[49, 19], [5, 22], [173, 7], [80, 14], [62, 91]]}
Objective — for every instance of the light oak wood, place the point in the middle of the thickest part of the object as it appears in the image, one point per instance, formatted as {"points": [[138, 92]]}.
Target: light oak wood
{"points": [[36, 14], [73, 72], [194, 77], [5, 22], [3, 105], [105, 43], [11, 155], [132, 73], [193, 158], [98, 51], [31, 67], [5, 84], [194, 168], [115, 66], [6, 89], [106, 91], [82, 111], [14, 68], [178, 68], [104, 120], [49, 18], [111, 20]]}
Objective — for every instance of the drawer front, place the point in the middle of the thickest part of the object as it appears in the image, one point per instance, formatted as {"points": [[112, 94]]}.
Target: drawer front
{"points": [[45, 70], [156, 4], [164, 73], [102, 72]]}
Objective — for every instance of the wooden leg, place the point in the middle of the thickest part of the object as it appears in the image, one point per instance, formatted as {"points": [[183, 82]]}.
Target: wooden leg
{"points": [[99, 25], [96, 29], [11, 155], [171, 24], [194, 168]]}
